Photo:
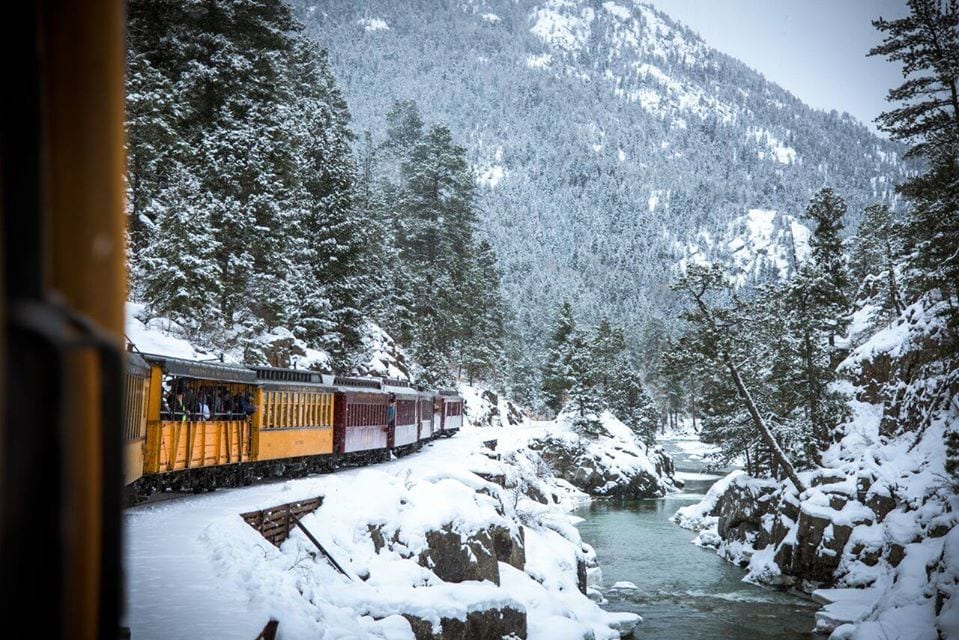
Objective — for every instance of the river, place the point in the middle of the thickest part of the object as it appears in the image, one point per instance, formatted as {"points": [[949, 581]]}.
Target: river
{"points": [[683, 592]]}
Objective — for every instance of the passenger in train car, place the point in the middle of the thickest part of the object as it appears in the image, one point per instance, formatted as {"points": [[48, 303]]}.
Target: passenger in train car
{"points": [[166, 413], [181, 409], [391, 412], [203, 407]]}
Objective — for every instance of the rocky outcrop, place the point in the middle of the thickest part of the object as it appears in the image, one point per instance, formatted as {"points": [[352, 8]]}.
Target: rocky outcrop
{"points": [[606, 467], [495, 411], [742, 511], [505, 622]]}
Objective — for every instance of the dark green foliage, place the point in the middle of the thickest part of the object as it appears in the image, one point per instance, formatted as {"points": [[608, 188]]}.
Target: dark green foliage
{"points": [[235, 120], [780, 341], [876, 249], [557, 372], [827, 210], [629, 401], [439, 285], [926, 43], [180, 274], [585, 402]]}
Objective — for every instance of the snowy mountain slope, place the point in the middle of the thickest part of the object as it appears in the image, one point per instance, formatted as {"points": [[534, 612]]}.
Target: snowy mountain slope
{"points": [[593, 128], [760, 246]]}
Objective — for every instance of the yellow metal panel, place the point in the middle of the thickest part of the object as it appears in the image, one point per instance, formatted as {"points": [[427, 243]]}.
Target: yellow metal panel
{"points": [[258, 421], [151, 453], [156, 388], [292, 443]]}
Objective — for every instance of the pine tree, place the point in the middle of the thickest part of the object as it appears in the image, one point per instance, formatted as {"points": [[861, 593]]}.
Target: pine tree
{"points": [[436, 239], [926, 43], [585, 404], [181, 276], [483, 350], [629, 401], [607, 345], [557, 372], [154, 145], [827, 209], [719, 335], [874, 254]]}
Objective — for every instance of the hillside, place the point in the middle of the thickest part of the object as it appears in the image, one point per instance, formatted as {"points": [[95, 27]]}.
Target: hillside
{"points": [[605, 137]]}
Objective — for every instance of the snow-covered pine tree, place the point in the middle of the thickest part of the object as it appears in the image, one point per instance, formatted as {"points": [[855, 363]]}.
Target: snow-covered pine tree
{"points": [[926, 43], [874, 253], [485, 330], [826, 209], [607, 344], [720, 334], [629, 401], [436, 239], [154, 145], [181, 276], [343, 258], [585, 404], [557, 370]]}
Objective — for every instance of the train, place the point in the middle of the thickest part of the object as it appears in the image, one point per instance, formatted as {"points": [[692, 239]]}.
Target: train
{"points": [[192, 425]]}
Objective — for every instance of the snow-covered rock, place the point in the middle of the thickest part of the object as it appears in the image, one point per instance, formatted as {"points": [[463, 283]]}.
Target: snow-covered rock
{"points": [[614, 465], [486, 408]]}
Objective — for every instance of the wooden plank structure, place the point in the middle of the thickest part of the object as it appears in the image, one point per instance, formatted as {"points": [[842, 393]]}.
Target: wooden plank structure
{"points": [[275, 523]]}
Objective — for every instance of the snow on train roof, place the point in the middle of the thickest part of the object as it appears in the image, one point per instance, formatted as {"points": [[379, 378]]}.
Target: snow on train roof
{"points": [[202, 370]]}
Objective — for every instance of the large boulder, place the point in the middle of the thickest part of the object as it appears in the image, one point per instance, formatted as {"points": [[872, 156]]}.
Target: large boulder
{"points": [[503, 622], [741, 509], [455, 557]]}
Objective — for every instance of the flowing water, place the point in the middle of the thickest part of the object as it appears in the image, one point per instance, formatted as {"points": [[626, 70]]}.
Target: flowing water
{"points": [[683, 592]]}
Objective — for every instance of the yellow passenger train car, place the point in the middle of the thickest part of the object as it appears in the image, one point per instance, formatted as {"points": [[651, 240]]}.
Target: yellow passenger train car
{"points": [[193, 425], [199, 425], [294, 419]]}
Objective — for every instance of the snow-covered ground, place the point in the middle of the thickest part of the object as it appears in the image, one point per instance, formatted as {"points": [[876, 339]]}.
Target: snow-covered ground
{"points": [[195, 569]]}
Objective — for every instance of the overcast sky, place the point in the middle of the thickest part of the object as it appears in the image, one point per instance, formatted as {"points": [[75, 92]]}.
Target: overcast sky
{"points": [[816, 49]]}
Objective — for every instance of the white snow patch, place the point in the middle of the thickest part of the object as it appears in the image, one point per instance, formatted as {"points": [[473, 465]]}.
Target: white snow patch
{"points": [[373, 24], [540, 61]]}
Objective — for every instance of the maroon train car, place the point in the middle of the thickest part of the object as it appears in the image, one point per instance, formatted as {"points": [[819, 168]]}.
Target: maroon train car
{"points": [[406, 433], [449, 408], [359, 416], [426, 417]]}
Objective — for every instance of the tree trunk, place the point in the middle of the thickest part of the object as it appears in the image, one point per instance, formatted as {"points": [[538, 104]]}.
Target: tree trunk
{"points": [[778, 454], [692, 407]]}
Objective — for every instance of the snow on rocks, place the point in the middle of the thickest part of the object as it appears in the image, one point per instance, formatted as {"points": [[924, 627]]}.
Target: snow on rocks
{"points": [[454, 541], [612, 465], [874, 536], [486, 408]]}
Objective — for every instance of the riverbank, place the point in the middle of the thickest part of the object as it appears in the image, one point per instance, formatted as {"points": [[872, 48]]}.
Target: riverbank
{"points": [[650, 567], [399, 529]]}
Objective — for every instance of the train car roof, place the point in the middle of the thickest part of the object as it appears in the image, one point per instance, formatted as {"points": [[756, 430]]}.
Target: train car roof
{"points": [[367, 385], [400, 387], [136, 365], [303, 380], [288, 375], [202, 370]]}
